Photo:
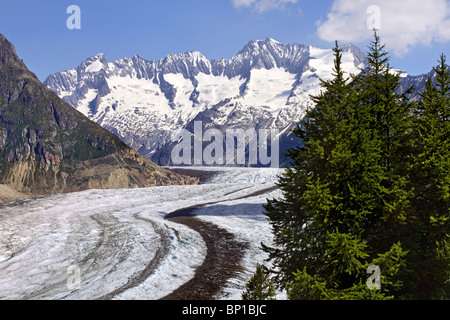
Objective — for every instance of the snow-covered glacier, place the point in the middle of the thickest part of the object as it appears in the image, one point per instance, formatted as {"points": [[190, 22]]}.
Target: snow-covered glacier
{"points": [[117, 244]]}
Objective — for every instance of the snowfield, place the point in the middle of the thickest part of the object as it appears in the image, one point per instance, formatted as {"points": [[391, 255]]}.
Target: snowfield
{"points": [[119, 243]]}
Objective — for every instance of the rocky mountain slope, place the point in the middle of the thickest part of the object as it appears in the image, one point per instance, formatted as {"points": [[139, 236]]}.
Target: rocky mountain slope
{"points": [[46, 146]]}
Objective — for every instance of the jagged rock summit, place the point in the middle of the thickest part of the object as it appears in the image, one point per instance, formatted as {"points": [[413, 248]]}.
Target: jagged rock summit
{"points": [[47, 146]]}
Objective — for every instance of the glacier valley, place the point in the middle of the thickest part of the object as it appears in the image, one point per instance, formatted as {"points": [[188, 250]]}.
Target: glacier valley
{"points": [[120, 242]]}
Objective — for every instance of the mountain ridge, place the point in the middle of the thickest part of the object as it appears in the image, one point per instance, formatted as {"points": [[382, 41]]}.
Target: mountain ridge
{"points": [[266, 85]]}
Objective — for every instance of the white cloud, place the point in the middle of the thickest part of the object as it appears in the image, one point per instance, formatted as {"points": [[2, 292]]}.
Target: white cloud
{"points": [[262, 5], [403, 24]]}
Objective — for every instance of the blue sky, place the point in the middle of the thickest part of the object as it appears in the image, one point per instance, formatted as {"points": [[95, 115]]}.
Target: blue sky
{"points": [[416, 32]]}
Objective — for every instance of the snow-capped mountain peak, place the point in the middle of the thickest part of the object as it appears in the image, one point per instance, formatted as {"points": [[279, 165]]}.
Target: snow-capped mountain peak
{"points": [[273, 41], [94, 64], [267, 84]]}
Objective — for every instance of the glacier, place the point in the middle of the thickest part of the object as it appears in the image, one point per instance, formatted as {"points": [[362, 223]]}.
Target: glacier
{"points": [[112, 235]]}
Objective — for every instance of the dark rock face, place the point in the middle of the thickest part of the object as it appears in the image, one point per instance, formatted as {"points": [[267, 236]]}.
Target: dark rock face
{"points": [[47, 146]]}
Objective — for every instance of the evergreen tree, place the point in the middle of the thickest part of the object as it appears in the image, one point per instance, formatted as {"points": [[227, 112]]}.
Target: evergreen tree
{"points": [[345, 193], [287, 219], [387, 117], [430, 240], [259, 287]]}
